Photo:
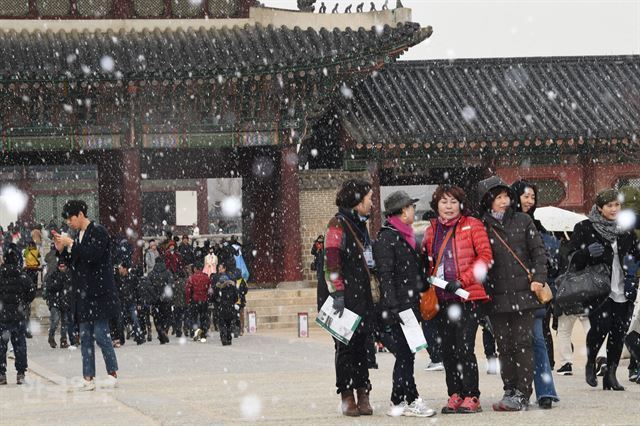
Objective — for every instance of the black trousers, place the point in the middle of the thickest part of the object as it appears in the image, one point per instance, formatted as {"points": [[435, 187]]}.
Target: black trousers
{"points": [[609, 318], [180, 320], [201, 316], [351, 363], [458, 347], [514, 335], [162, 317], [225, 325], [404, 385]]}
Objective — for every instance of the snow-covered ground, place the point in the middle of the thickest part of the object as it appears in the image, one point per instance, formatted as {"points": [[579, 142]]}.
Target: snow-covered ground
{"points": [[271, 377]]}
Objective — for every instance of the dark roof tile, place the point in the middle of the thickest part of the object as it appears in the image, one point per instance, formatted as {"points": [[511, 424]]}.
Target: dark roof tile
{"points": [[497, 100], [252, 49]]}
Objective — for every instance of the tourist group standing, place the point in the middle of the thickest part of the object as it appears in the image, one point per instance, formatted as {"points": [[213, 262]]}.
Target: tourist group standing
{"points": [[497, 266]]}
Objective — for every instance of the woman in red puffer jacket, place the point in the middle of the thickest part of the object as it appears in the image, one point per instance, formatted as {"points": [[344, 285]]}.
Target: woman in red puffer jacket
{"points": [[458, 251]]}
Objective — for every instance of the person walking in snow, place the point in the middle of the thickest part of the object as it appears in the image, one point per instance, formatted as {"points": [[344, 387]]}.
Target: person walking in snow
{"points": [[95, 298], [600, 240]]}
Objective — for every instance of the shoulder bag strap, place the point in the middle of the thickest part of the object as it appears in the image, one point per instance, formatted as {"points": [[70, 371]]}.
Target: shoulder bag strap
{"points": [[360, 246], [443, 247], [512, 253]]}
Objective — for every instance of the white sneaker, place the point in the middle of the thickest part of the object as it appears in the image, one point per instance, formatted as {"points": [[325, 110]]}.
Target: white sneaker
{"points": [[203, 340], [109, 383], [397, 410], [418, 408], [197, 335], [434, 366], [85, 386]]}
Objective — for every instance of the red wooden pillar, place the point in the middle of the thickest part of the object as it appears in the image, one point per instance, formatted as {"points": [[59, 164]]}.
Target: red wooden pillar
{"points": [[28, 214], [203, 207], [260, 198], [131, 217], [290, 215], [375, 222], [588, 182]]}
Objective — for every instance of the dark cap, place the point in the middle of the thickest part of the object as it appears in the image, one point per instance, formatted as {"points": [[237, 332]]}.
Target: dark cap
{"points": [[396, 201], [606, 196], [73, 208]]}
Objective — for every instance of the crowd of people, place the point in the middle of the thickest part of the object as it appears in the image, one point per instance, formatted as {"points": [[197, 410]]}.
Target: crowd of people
{"points": [[95, 294], [509, 267]]}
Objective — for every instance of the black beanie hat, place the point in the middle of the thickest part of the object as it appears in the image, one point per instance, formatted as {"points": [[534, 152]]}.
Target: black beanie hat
{"points": [[352, 193]]}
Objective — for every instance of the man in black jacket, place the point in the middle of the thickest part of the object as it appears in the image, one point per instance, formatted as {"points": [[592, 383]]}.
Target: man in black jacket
{"points": [[16, 293], [58, 290], [128, 289], [95, 297]]}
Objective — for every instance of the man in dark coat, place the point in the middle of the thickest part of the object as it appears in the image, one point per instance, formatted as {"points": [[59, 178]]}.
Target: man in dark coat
{"points": [[128, 289], [225, 297], [186, 252], [162, 281], [58, 291], [16, 293], [95, 298]]}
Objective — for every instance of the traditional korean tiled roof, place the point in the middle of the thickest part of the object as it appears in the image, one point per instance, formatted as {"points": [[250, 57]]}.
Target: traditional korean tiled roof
{"points": [[186, 53], [475, 102]]}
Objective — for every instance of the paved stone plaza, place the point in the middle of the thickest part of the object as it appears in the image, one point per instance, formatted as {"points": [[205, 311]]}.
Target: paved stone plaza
{"points": [[271, 377]]}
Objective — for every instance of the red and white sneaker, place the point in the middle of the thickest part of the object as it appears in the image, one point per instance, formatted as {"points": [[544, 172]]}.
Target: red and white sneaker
{"points": [[453, 404], [471, 404]]}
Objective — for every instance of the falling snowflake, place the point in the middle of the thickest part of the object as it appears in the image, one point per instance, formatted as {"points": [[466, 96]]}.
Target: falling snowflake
{"points": [[346, 91], [251, 407], [626, 220], [107, 63], [469, 113], [231, 206], [14, 200]]}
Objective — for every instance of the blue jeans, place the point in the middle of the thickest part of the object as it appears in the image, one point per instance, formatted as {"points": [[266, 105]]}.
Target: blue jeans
{"points": [[58, 317], [542, 377], [430, 329], [96, 332], [132, 316], [72, 327], [16, 332]]}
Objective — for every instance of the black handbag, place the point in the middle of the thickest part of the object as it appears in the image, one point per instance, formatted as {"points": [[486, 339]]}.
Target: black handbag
{"points": [[581, 287]]}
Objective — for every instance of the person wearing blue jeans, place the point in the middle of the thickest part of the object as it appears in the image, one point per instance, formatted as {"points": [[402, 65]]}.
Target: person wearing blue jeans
{"points": [[542, 378], [16, 293], [17, 333], [430, 330], [96, 332], [95, 297]]}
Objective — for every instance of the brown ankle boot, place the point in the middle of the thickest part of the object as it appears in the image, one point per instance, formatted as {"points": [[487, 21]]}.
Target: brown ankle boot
{"points": [[364, 407], [64, 344], [52, 342], [349, 407]]}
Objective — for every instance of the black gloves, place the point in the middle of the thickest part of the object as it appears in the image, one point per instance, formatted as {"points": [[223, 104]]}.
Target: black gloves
{"points": [[338, 303], [595, 249], [453, 286]]}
